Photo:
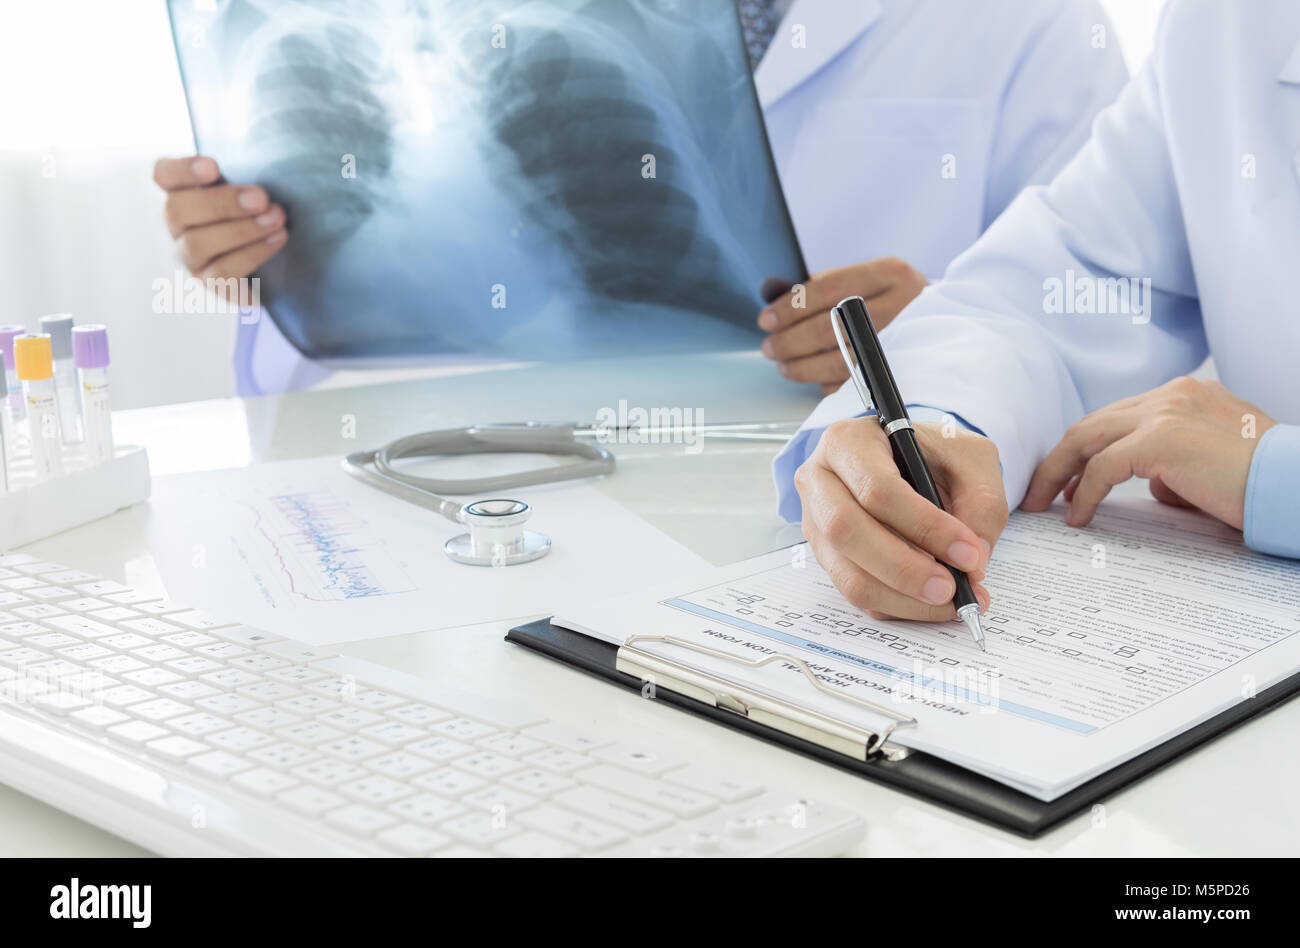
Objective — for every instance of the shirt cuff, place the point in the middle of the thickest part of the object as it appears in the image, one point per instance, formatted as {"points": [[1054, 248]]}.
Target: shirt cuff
{"points": [[799, 448], [1272, 516]]}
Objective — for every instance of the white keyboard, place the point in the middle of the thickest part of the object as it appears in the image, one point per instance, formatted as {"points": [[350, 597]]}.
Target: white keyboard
{"points": [[194, 736]]}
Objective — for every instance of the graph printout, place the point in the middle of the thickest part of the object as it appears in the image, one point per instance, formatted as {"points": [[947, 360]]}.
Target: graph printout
{"points": [[301, 549], [1101, 641]]}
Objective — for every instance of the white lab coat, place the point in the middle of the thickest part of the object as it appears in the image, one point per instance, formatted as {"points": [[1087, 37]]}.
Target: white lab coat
{"points": [[904, 127], [1191, 180]]}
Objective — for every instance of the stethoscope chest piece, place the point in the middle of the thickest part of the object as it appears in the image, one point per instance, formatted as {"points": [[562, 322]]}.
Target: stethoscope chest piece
{"points": [[496, 535]]}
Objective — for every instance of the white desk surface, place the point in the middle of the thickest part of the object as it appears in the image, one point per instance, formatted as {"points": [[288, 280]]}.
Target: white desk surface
{"points": [[1233, 797]]}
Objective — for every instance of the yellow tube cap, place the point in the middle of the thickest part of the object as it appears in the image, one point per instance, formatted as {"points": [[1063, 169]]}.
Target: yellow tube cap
{"points": [[34, 357]]}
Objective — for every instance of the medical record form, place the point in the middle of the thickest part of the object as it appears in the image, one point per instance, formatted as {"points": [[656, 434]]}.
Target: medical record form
{"points": [[1102, 642]]}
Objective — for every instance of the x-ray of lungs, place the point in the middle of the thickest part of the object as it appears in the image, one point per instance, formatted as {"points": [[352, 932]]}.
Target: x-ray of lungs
{"points": [[516, 178]]}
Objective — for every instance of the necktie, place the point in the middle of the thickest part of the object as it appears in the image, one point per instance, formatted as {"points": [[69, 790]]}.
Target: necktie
{"points": [[758, 21]]}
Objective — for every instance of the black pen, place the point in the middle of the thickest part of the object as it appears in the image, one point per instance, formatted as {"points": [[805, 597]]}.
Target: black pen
{"points": [[870, 372]]}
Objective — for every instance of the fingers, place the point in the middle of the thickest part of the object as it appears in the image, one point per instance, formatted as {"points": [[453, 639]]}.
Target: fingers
{"points": [[850, 532], [1161, 492], [174, 174], [199, 246], [870, 594], [825, 368], [809, 336], [823, 291], [1114, 465], [978, 497], [1082, 441], [198, 206], [245, 260], [866, 467]]}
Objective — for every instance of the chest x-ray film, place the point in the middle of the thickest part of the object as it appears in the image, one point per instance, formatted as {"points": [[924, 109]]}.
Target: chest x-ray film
{"points": [[517, 178]]}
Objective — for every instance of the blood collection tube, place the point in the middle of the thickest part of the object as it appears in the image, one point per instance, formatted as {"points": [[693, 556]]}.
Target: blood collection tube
{"points": [[35, 366], [59, 328], [4, 438], [13, 402], [90, 355]]}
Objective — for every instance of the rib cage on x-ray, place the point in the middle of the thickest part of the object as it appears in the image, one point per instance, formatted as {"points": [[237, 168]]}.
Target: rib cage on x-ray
{"points": [[599, 162]]}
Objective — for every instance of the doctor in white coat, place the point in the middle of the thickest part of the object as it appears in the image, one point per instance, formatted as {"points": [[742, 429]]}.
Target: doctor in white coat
{"points": [[902, 128], [1061, 339]]}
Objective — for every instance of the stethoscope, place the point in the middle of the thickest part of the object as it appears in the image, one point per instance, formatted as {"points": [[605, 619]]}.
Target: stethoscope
{"points": [[496, 534]]}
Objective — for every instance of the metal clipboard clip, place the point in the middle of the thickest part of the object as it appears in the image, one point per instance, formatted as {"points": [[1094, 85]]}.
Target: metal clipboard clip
{"points": [[803, 723]]}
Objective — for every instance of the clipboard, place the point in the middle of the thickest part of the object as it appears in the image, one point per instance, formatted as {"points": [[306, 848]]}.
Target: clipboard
{"points": [[871, 755]]}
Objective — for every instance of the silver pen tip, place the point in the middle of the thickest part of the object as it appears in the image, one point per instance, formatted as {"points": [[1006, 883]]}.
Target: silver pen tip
{"points": [[971, 616]]}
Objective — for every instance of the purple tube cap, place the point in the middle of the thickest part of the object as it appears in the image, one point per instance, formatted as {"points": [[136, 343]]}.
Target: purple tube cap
{"points": [[7, 336], [90, 347]]}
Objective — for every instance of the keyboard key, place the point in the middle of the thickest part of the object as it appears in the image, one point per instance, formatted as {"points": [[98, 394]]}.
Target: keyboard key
{"points": [[566, 737], [511, 744], [449, 783], [729, 788], [439, 748], [85, 652], [534, 845], [244, 635], [375, 790], [160, 652], [117, 664], [377, 700], [97, 717], [125, 641], [418, 715], [309, 732], [102, 587], [296, 653], [492, 797], [193, 665], [136, 732], [480, 829], [124, 695], [352, 748], [227, 703], [614, 809], [558, 760], [229, 677], [463, 729], [282, 756], [219, 763], [222, 650], [412, 840], [307, 704], [350, 718], [52, 640], [262, 781], [82, 627], [40, 610], [311, 801], [267, 718], [160, 709], [636, 758], [151, 677], [150, 626], [296, 675], [89, 604], [114, 613], [582, 831], [359, 820], [487, 764], [239, 739], [426, 809], [129, 596], [175, 748], [195, 619], [266, 690], [258, 663], [391, 732], [155, 606], [61, 703], [197, 724], [188, 639], [188, 690], [400, 765], [677, 800], [328, 771], [540, 783]]}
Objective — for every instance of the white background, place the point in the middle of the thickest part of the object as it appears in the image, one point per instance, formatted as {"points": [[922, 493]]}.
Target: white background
{"points": [[91, 97]]}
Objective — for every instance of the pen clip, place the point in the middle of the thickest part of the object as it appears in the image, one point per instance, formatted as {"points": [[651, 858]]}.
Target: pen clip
{"points": [[850, 360]]}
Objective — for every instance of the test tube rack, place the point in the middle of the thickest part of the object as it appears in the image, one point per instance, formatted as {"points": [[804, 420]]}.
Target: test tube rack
{"points": [[32, 510]]}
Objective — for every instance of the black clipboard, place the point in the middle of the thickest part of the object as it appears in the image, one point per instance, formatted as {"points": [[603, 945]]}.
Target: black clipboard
{"points": [[924, 775]]}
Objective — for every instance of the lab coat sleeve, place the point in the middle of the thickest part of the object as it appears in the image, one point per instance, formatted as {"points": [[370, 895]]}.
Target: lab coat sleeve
{"points": [[1272, 517], [998, 343], [1071, 68], [799, 448]]}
